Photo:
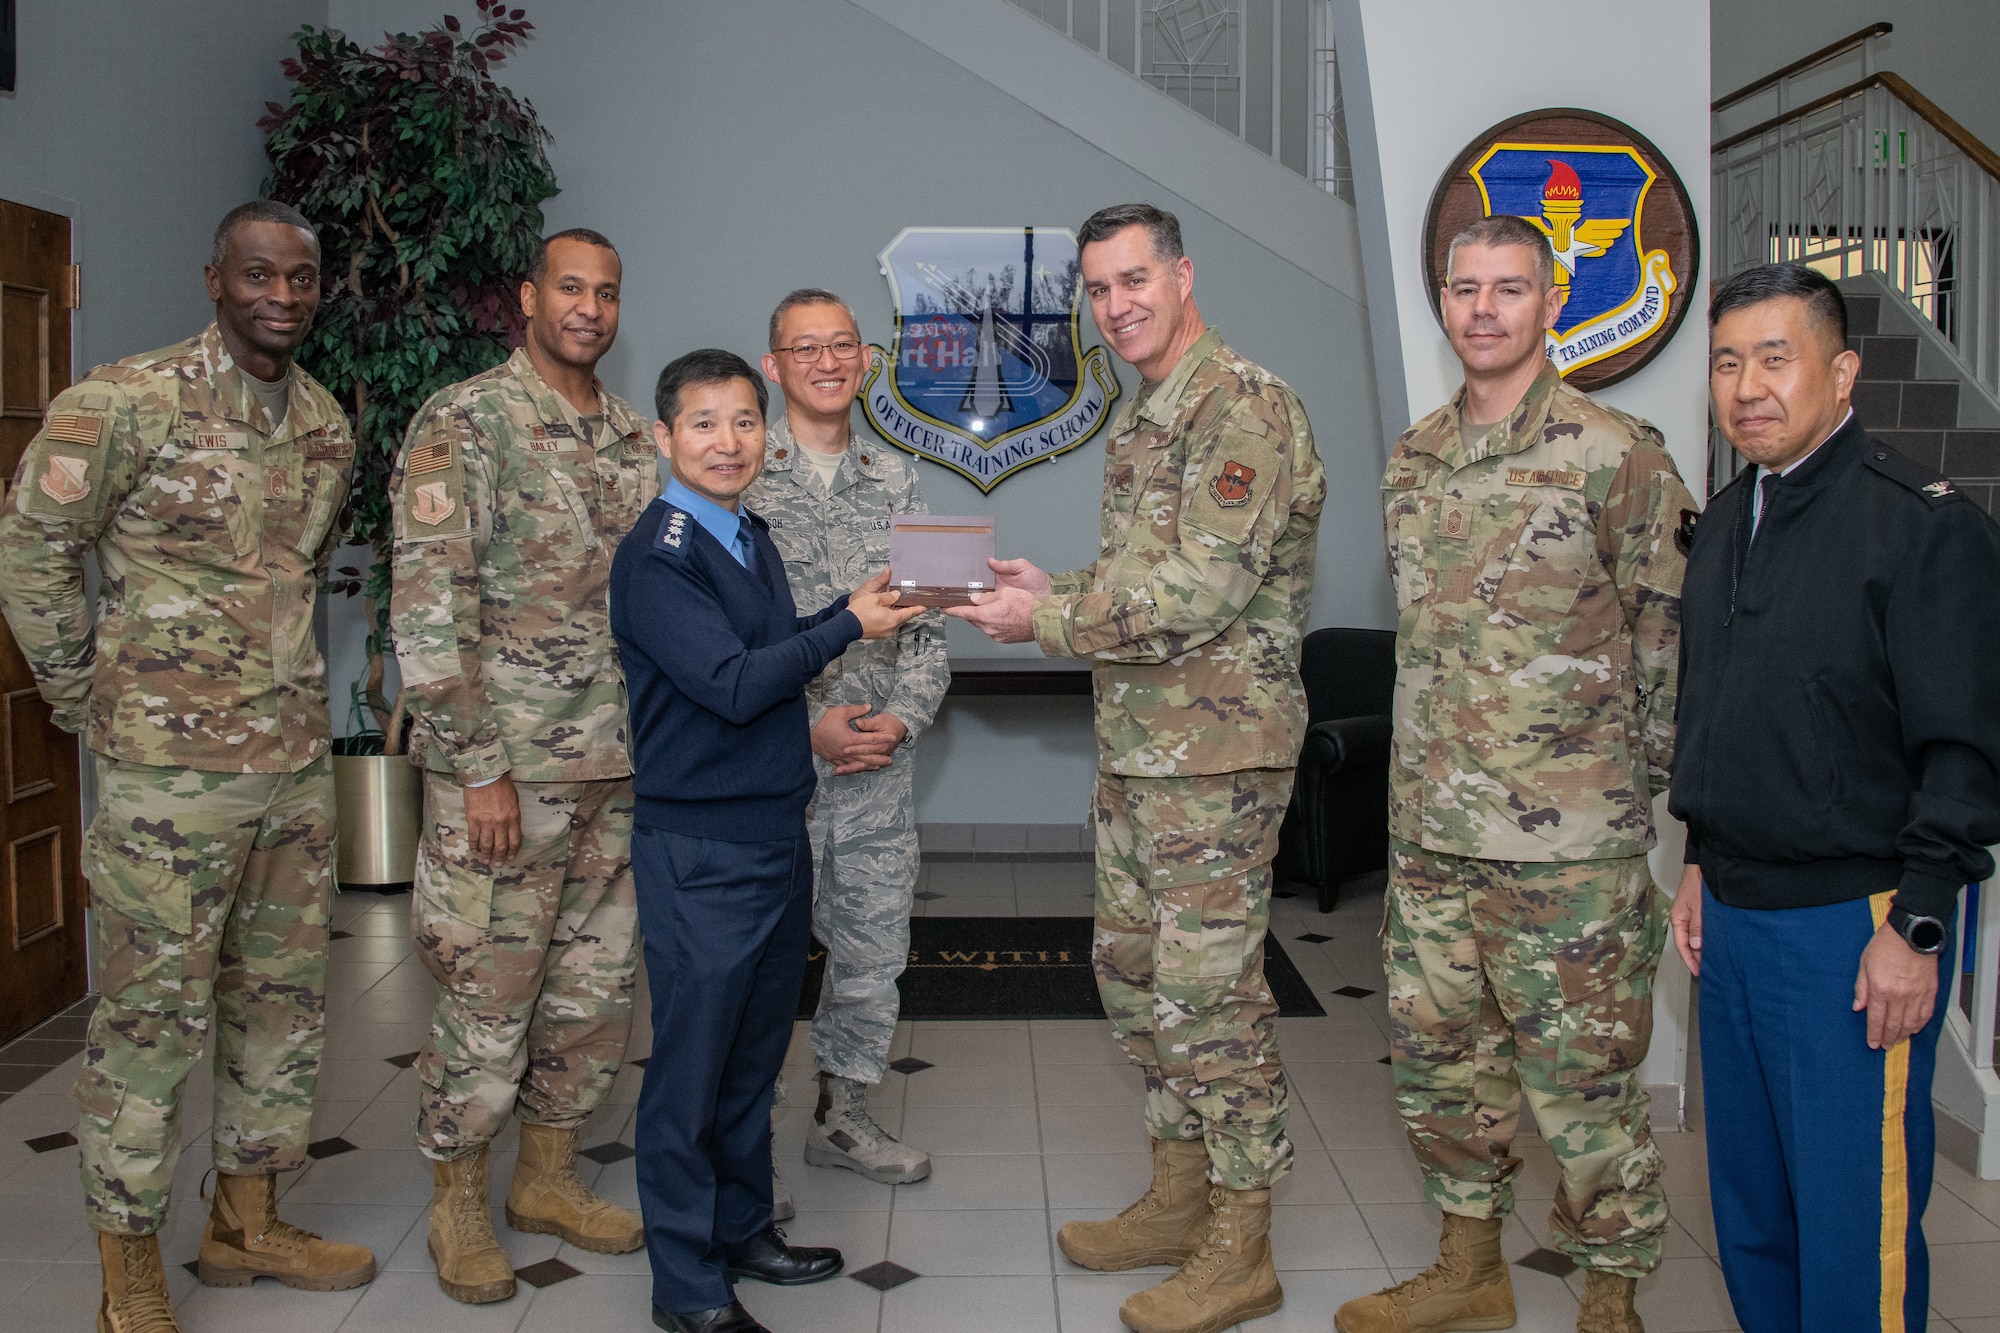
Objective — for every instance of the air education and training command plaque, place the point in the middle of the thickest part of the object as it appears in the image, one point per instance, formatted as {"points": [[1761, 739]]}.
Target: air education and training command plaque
{"points": [[1616, 215]]}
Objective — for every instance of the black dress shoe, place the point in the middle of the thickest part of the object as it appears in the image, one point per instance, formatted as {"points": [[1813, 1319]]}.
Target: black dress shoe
{"points": [[769, 1259], [730, 1318]]}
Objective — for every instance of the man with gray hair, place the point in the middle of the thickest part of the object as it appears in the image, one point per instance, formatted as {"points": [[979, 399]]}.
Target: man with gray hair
{"points": [[828, 497], [1534, 541]]}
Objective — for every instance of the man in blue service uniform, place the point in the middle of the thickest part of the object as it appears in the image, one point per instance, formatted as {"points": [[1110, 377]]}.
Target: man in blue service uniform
{"points": [[1839, 772], [716, 662]]}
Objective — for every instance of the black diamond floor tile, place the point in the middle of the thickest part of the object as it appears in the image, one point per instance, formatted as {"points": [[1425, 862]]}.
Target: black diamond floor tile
{"points": [[547, 1273], [926, 896], [332, 1147], [341, 935], [1354, 992], [604, 1154], [51, 1142], [1548, 1261], [884, 1276], [193, 1267], [1383, 1061], [1313, 937], [909, 1064], [405, 1060], [639, 1063]]}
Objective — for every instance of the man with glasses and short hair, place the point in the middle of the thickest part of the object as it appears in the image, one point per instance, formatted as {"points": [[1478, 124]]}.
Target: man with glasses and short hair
{"points": [[828, 498]]}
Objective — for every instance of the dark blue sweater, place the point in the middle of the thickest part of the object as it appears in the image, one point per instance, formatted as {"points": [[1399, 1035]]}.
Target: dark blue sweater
{"points": [[716, 662]]}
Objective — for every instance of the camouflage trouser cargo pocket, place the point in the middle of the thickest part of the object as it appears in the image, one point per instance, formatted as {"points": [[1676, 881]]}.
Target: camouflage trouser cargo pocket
{"points": [[1606, 979], [100, 1095], [1199, 910], [148, 892], [451, 907]]}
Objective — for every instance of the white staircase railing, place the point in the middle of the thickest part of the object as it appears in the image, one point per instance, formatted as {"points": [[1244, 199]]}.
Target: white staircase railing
{"points": [[1869, 176], [1264, 70], [1968, 1083]]}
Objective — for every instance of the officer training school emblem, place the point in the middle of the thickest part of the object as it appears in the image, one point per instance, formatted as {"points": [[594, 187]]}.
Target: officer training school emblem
{"points": [[1617, 218], [987, 372]]}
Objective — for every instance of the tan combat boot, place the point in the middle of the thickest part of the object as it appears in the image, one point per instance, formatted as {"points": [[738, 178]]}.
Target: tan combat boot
{"points": [[1164, 1227], [842, 1133], [245, 1239], [471, 1266], [1607, 1304], [1467, 1288], [1230, 1277], [135, 1286], [549, 1198]]}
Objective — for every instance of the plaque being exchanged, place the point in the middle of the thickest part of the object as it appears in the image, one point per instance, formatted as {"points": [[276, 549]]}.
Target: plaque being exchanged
{"points": [[939, 559]]}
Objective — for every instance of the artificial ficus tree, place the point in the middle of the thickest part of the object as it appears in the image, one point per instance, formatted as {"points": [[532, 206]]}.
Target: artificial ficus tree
{"points": [[424, 178]]}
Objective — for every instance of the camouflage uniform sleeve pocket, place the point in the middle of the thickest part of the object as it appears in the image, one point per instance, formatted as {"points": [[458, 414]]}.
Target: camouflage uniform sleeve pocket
{"points": [[434, 504], [62, 482], [1235, 486]]}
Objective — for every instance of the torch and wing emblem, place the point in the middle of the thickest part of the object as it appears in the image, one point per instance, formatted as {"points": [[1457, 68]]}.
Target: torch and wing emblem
{"points": [[1588, 199], [1573, 237]]}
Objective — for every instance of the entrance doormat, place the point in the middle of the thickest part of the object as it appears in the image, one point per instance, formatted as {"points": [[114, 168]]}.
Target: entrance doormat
{"points": [[1023, 967]]}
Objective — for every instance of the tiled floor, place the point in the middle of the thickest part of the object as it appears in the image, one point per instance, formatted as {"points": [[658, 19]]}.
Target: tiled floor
{"points": [[1032, 1123]]}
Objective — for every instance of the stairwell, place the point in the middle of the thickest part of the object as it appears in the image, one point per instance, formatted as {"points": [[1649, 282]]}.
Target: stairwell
{"points": [[1911, 396]]}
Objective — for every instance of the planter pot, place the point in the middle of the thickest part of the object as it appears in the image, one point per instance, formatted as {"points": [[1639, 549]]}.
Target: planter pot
{"points": [[378, 810]]}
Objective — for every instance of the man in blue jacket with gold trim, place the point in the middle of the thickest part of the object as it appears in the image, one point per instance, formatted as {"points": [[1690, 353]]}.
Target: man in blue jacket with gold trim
{"points": [[716, 661]]}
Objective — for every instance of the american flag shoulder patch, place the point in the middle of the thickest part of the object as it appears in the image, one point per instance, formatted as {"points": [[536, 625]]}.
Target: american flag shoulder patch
{"points": [[432, 457], [74, 428]]}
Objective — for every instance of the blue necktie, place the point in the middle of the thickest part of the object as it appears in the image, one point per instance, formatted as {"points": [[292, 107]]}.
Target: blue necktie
{"points": [[743, 547]]}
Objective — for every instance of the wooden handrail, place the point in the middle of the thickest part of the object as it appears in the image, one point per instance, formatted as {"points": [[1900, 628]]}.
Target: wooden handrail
{"points": [[1963, 139], [1803, 63]]}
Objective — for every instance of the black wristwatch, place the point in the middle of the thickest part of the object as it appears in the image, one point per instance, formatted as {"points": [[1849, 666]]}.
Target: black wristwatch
{"points": [[1925, 934]]}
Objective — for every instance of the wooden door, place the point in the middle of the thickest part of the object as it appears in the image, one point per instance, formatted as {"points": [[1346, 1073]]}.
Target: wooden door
{"points": [[43, 959]]}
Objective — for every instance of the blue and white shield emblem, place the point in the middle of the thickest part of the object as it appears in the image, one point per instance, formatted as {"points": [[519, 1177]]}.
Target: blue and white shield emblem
{"points": [[987, 372], [1588, 200]]}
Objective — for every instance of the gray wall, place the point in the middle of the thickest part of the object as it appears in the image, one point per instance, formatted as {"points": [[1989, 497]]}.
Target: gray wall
{"points": [[139, 120], [736, 150], [1945, 48]]}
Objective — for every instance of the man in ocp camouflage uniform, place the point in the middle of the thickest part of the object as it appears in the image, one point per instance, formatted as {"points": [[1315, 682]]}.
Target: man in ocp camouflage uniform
{"points": [[1191, 618], [511, 495], [1532, 542], [206, 476], [828, 497]]}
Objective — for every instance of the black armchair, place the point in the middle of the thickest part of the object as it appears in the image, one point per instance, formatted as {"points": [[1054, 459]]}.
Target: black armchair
{"points": [[1338, 824]]}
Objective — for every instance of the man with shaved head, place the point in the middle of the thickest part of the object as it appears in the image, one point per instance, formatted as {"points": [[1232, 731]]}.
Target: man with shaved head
{"points": [[206, 477], [1839, 773]]}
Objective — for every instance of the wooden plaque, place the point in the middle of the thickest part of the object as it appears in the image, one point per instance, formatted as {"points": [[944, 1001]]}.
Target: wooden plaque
{"points": [[1577, 176]]}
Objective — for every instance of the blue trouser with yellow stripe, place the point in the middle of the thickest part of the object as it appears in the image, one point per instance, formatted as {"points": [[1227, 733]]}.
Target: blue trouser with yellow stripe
{"points": [[1819, 1149]]}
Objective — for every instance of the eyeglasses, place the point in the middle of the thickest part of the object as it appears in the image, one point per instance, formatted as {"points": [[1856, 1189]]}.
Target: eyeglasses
{"points": [[806, 353]]}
